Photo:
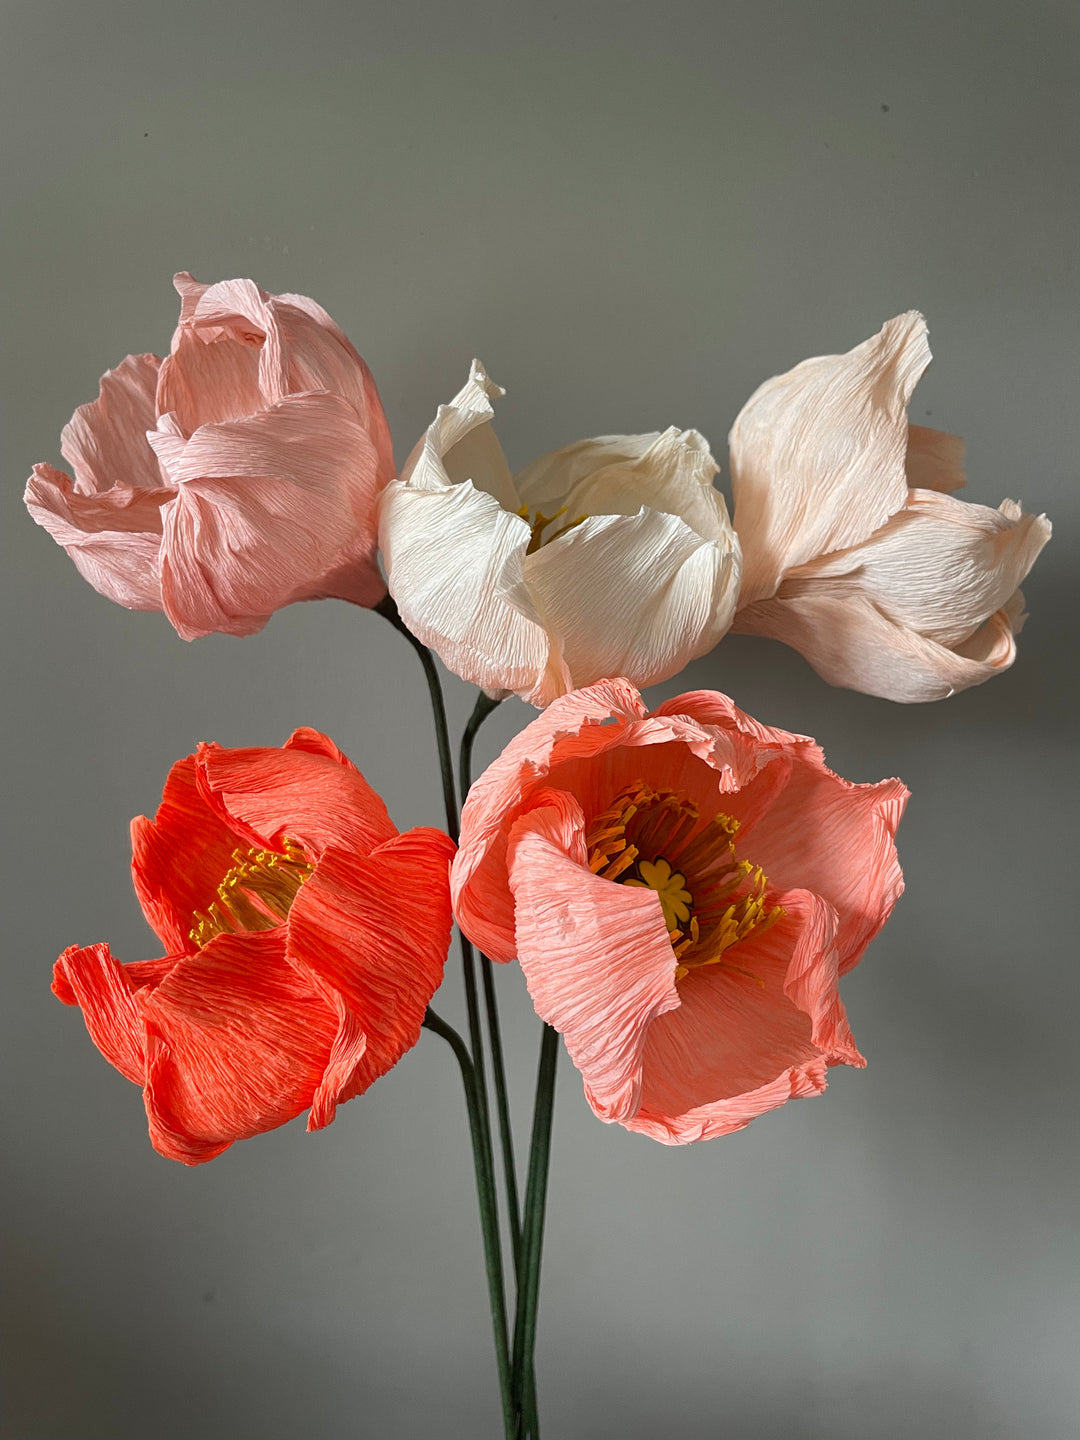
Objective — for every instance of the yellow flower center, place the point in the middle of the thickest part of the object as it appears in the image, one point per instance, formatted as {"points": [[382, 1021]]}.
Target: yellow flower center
{"points": [[256, 893], [539, 522], [712, 901], [669, 885]]}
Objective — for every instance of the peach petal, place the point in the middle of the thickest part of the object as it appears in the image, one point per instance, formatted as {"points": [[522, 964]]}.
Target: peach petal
{"points": [[208, 380], [850, 643], [595, 955], [843, 850], [580, 724], [105, 440], [113, 537], [939, 567], [818, 454]]}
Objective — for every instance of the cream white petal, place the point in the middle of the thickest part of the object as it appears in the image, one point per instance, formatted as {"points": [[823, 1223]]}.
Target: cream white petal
{"points": [[634, 595], [940, 567], [818, 454], [453, 560], [670, 471], [461, 445], [850, 643]]}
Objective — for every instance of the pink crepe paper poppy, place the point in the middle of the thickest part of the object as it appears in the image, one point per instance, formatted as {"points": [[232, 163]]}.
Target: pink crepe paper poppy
{"points": [[683, 890], [235, 476], [304, 937]]}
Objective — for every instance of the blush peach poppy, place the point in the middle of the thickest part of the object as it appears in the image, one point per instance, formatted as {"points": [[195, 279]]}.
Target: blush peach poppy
{"points": [[237, 475], [683, 890], [304, 937]]}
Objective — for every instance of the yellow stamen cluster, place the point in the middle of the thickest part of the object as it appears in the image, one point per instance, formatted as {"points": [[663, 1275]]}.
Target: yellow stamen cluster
{"points": [[711, 901], [539, 523], [256, 893]]}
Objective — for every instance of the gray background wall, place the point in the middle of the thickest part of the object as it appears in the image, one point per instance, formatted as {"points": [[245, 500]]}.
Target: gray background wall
{"points": [[633, 213]]}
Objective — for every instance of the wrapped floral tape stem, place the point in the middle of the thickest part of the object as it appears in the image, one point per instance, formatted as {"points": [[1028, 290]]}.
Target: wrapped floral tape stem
{"points": [[483, 708], [489, 1219], [524, 1375]]}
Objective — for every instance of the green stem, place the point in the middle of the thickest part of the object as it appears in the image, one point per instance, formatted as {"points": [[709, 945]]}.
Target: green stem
{"points": [[483, 708], [475, 1087], [389, 611], [489, 1220], [523, 1381]]}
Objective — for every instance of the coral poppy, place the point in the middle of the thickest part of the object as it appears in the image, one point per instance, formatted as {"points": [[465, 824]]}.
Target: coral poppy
{"points": [[614, 556], [235, 476], [683, 890], [855, 553], [304, 937]]}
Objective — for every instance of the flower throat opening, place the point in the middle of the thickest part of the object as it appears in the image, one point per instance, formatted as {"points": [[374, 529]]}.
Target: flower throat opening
{"points": [[711, 900], [256, 893], [539, 523]]}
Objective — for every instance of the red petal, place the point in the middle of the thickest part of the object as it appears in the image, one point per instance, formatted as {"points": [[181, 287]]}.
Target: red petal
{"points": [[372, 933], [318, 799], [104, 990], [237, 1042], [179, 858]]}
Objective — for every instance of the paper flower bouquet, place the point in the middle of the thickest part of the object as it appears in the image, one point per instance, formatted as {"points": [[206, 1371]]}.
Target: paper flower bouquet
{"points": [[682, 887]]}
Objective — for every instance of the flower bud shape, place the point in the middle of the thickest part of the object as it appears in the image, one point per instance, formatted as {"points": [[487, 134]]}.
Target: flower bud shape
{"points": [[233, 477], [612, 556], [855, 551]]}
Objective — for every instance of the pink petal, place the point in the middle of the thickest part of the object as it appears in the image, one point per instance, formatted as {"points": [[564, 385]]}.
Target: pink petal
{"points": [[268, 511], [372, 933], [113, 537], [735, 1047], [595, 954], [824, 834], [818, 454], [206, 380], [105, 440]]}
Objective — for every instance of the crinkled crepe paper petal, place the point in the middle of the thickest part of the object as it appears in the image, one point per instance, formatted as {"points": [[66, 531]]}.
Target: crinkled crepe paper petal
{"points": [[850, 643], [741, 1044], [104, 990], [312, 795], [818, 454], [634, 595], [265, 508], [596, 956], [372, 932], [454, 564], [105, 440], [581, 723], [934, 460], [940, 567], [113, 537], [237, 1040]]}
